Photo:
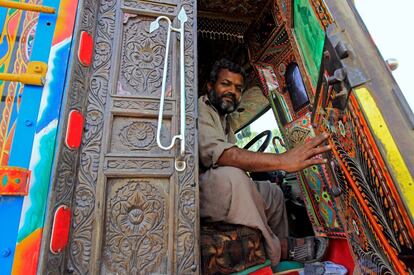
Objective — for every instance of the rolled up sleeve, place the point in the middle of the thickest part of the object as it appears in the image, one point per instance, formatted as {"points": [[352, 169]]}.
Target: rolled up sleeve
{"points": [[212, 139]]}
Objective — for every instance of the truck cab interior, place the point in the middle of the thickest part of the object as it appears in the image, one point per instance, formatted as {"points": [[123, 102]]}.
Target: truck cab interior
{"points": [[295, 90]]}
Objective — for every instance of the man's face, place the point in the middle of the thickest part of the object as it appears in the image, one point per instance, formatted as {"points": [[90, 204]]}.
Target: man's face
{"points": [[225, 94]]}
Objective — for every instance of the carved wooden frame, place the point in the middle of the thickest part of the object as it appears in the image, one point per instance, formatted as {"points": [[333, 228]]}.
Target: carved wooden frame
{"points": [[75, 175]]}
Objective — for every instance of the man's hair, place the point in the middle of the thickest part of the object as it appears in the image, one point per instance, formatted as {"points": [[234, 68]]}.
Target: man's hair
{"points": [[226, 64]]}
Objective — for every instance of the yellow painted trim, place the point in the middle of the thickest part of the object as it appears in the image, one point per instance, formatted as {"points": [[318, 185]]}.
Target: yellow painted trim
{"points": [[27, 7], [393, 156], [35, 75]]}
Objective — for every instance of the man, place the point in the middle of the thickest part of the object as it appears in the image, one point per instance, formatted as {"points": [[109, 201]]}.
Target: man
{"points": [[226, 192]]}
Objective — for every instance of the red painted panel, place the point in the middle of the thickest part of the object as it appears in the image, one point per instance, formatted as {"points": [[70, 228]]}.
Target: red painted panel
{"points": [[60, 230], [263, 271], [74, 130], [85, 50], [339, 253], [14, 181]]}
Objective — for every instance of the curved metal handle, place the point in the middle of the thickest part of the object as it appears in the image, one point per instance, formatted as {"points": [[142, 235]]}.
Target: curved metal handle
{"points": [[182, 17]]}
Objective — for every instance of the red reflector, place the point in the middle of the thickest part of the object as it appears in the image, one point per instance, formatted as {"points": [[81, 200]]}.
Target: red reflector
{"points": [[60, 229], [74, 130], [85, 49]]}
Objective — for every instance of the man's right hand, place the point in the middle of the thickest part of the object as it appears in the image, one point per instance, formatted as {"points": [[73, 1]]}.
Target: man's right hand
{"points": [[293, 160], [303, 156]]}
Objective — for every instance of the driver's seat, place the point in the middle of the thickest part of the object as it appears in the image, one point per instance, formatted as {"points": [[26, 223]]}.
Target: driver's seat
{"points": [[229, 248]]}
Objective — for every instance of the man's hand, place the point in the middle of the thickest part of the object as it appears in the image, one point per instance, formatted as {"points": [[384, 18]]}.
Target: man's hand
{"points": [[293, 160], [302, 156]]}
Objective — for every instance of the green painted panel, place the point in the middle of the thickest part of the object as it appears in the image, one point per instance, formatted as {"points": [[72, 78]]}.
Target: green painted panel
{"points": [[310, 37]]}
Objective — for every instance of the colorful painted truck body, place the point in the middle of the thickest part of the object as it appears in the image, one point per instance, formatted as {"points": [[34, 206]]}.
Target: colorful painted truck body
{"points": [[85, 187], [29, 126]]}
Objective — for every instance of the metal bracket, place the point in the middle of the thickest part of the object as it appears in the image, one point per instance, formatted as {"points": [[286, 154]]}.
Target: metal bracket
{"points": [[35, 74], [339, 73], [27, 7]]}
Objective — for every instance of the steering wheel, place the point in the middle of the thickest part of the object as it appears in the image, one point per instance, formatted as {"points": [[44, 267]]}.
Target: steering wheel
{"points": [[265, 143]]}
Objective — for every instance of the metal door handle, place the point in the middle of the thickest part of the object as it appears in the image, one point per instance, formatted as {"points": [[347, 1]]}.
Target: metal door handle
{"points": [[180, 164]]}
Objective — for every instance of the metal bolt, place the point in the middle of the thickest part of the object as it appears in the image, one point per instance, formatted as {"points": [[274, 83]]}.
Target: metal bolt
{"points": [[338, 76], [342, 50], [28, 123], [5, 253], [336, 191]]}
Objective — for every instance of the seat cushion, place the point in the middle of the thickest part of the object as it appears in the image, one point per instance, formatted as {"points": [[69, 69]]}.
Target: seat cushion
{"points": [[228, 248]]}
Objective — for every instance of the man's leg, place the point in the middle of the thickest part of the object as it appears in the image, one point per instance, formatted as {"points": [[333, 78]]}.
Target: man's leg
{"points": [[228, 194], [275, 208]]}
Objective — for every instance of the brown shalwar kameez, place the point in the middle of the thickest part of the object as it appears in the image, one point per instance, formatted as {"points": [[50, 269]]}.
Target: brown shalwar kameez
{"points": [[228, 194]]}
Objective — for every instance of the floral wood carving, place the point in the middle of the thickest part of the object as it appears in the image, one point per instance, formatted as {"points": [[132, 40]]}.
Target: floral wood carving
{"points": [[187, 250], [142, 57], [138, 164], [80, 247], [169, 9], [138, 135], [65, 179], [135, 223], [141, 105]]}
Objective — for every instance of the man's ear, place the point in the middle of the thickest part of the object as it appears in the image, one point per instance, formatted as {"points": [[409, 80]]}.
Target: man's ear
{"points": [[209, 86]]}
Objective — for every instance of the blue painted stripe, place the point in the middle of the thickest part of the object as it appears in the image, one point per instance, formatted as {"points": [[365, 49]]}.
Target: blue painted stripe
{"points": [[11, 207]]}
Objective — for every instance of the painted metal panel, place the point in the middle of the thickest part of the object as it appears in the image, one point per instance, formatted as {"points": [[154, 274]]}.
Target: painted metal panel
{"points": [[30, 119]]}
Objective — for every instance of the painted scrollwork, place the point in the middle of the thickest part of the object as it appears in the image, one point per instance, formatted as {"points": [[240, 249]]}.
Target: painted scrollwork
{"points": [[297, 135], [134, 241], [365, 244], [359, 175]]}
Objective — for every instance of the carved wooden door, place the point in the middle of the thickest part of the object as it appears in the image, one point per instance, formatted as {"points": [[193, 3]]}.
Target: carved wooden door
{"points": [[132, 212]]}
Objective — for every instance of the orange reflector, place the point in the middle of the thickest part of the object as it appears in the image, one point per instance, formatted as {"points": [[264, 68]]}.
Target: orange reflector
{"points": [[74, 130], [60, 229], [85, 49]]}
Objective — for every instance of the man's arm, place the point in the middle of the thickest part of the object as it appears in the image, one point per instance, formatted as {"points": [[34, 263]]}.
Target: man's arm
{"points": [[293, 160]]}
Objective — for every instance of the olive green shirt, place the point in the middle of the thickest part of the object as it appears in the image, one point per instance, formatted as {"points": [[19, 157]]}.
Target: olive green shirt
{"points": [[215, 134]]}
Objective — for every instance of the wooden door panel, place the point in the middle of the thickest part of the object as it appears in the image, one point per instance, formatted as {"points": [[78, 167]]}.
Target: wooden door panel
{"points": [[166, 7], [136, 226], [142, 55], [132, 212], [136, 135]]}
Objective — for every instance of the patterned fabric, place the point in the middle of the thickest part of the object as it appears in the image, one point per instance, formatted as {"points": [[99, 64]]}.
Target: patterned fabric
{"points": [[227, 248]]}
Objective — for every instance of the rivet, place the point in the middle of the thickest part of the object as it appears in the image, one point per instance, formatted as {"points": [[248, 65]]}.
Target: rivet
{"points": [[5, 253], [28, 123]]}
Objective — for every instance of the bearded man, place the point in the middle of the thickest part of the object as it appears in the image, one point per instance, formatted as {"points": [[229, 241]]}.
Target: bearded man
{"points": [[227, 193]]}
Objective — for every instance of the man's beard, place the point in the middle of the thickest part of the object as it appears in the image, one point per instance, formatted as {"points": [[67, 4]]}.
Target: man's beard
{"points": [[223, 107]]}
